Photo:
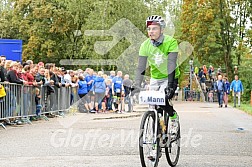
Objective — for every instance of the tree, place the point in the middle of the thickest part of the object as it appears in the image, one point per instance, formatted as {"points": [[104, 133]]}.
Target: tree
{"points": [[216, 29]]}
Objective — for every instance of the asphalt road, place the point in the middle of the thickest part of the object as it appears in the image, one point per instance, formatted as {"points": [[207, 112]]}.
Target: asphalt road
{"points": [[211, 136]]}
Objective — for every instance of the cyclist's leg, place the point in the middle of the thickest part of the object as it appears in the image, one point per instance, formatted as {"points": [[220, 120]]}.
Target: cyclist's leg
{"points": [[167, 108]]}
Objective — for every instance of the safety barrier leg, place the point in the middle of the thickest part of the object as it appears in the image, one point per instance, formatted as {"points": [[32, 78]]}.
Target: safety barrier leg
{"points": [[62, 113], [44, 117], [3, 126], [26, 120]]}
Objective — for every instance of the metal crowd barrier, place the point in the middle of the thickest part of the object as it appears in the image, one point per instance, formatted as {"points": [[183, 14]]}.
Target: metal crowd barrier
{"points": [[19, 101], [57, 101], [188, 95], [12, 104]]}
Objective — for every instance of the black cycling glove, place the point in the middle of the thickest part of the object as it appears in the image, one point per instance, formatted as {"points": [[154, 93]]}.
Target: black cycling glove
{"points": [[169, 91]]}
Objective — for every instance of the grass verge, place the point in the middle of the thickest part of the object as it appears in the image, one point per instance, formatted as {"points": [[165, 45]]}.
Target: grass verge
{"points": [[247, 108]]}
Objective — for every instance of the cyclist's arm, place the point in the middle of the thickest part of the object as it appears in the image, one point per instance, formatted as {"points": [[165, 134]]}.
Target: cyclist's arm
{"points": [[142, 61], [172, 64]]}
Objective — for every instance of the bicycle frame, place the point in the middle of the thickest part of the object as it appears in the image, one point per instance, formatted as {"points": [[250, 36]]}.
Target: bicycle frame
{"points": [[156, 135]]}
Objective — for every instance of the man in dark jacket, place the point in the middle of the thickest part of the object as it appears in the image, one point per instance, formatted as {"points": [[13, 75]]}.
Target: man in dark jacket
{"points": [[40, 77], [3, 71], [220, 88], [127, 83]]}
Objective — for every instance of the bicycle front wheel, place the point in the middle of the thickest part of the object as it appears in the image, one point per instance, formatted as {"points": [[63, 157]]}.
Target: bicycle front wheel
{"points": [[172, 148], [148, 141]]}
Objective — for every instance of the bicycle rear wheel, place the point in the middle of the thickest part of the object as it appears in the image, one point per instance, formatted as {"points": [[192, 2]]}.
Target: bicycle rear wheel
{"points": [[148, 141], [172, 148]]}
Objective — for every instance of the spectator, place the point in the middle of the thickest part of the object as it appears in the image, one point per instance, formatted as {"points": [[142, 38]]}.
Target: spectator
{"points": [[210, 70], [8, 66], [186, 92], [90, 79], [67, 77], [30, 63], [49, 83], [117, 90], [60, 74], [82, 92], [41, 64], [227, 92], [220, 88], [205, 70], [109, 95], [210, 96], [40, 77], [196, 71], [3, 71], [86, 72], [37, 102], [203, 83], [127, 84], [27, 76], [34, 70], [237, 88], [99, 89], [12, 74], [201, 73], [112, 75], [55, 79]]}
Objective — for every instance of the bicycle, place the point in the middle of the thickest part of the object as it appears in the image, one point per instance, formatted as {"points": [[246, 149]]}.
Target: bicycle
{"points": [[155, 134]]}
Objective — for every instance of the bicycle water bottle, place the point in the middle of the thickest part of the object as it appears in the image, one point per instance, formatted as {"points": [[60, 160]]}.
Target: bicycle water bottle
{"points": [[162, 124]]}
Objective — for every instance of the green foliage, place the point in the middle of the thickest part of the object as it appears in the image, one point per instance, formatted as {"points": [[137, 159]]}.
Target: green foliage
{"points": [[47, 27], [216, 29]]}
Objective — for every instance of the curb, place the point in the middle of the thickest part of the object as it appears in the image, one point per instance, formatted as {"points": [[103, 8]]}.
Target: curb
{"points": [[119, 116]]}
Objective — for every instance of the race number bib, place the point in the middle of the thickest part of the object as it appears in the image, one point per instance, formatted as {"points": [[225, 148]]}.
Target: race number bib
{"points": [[152, 97], [118, 90]]}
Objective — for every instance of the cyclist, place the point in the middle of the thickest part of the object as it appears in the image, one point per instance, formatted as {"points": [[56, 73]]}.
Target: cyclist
{"points": [[161, 52]]}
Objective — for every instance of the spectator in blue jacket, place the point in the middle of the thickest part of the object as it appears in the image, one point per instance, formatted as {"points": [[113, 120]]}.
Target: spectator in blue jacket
{"points": [[99, 89], [237, 88], [83, 94], [227, 92], [90, 81], [118, 90]]}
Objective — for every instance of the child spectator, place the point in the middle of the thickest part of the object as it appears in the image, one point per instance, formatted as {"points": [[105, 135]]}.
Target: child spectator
{"points": [[210, 96], [37, 102]]}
